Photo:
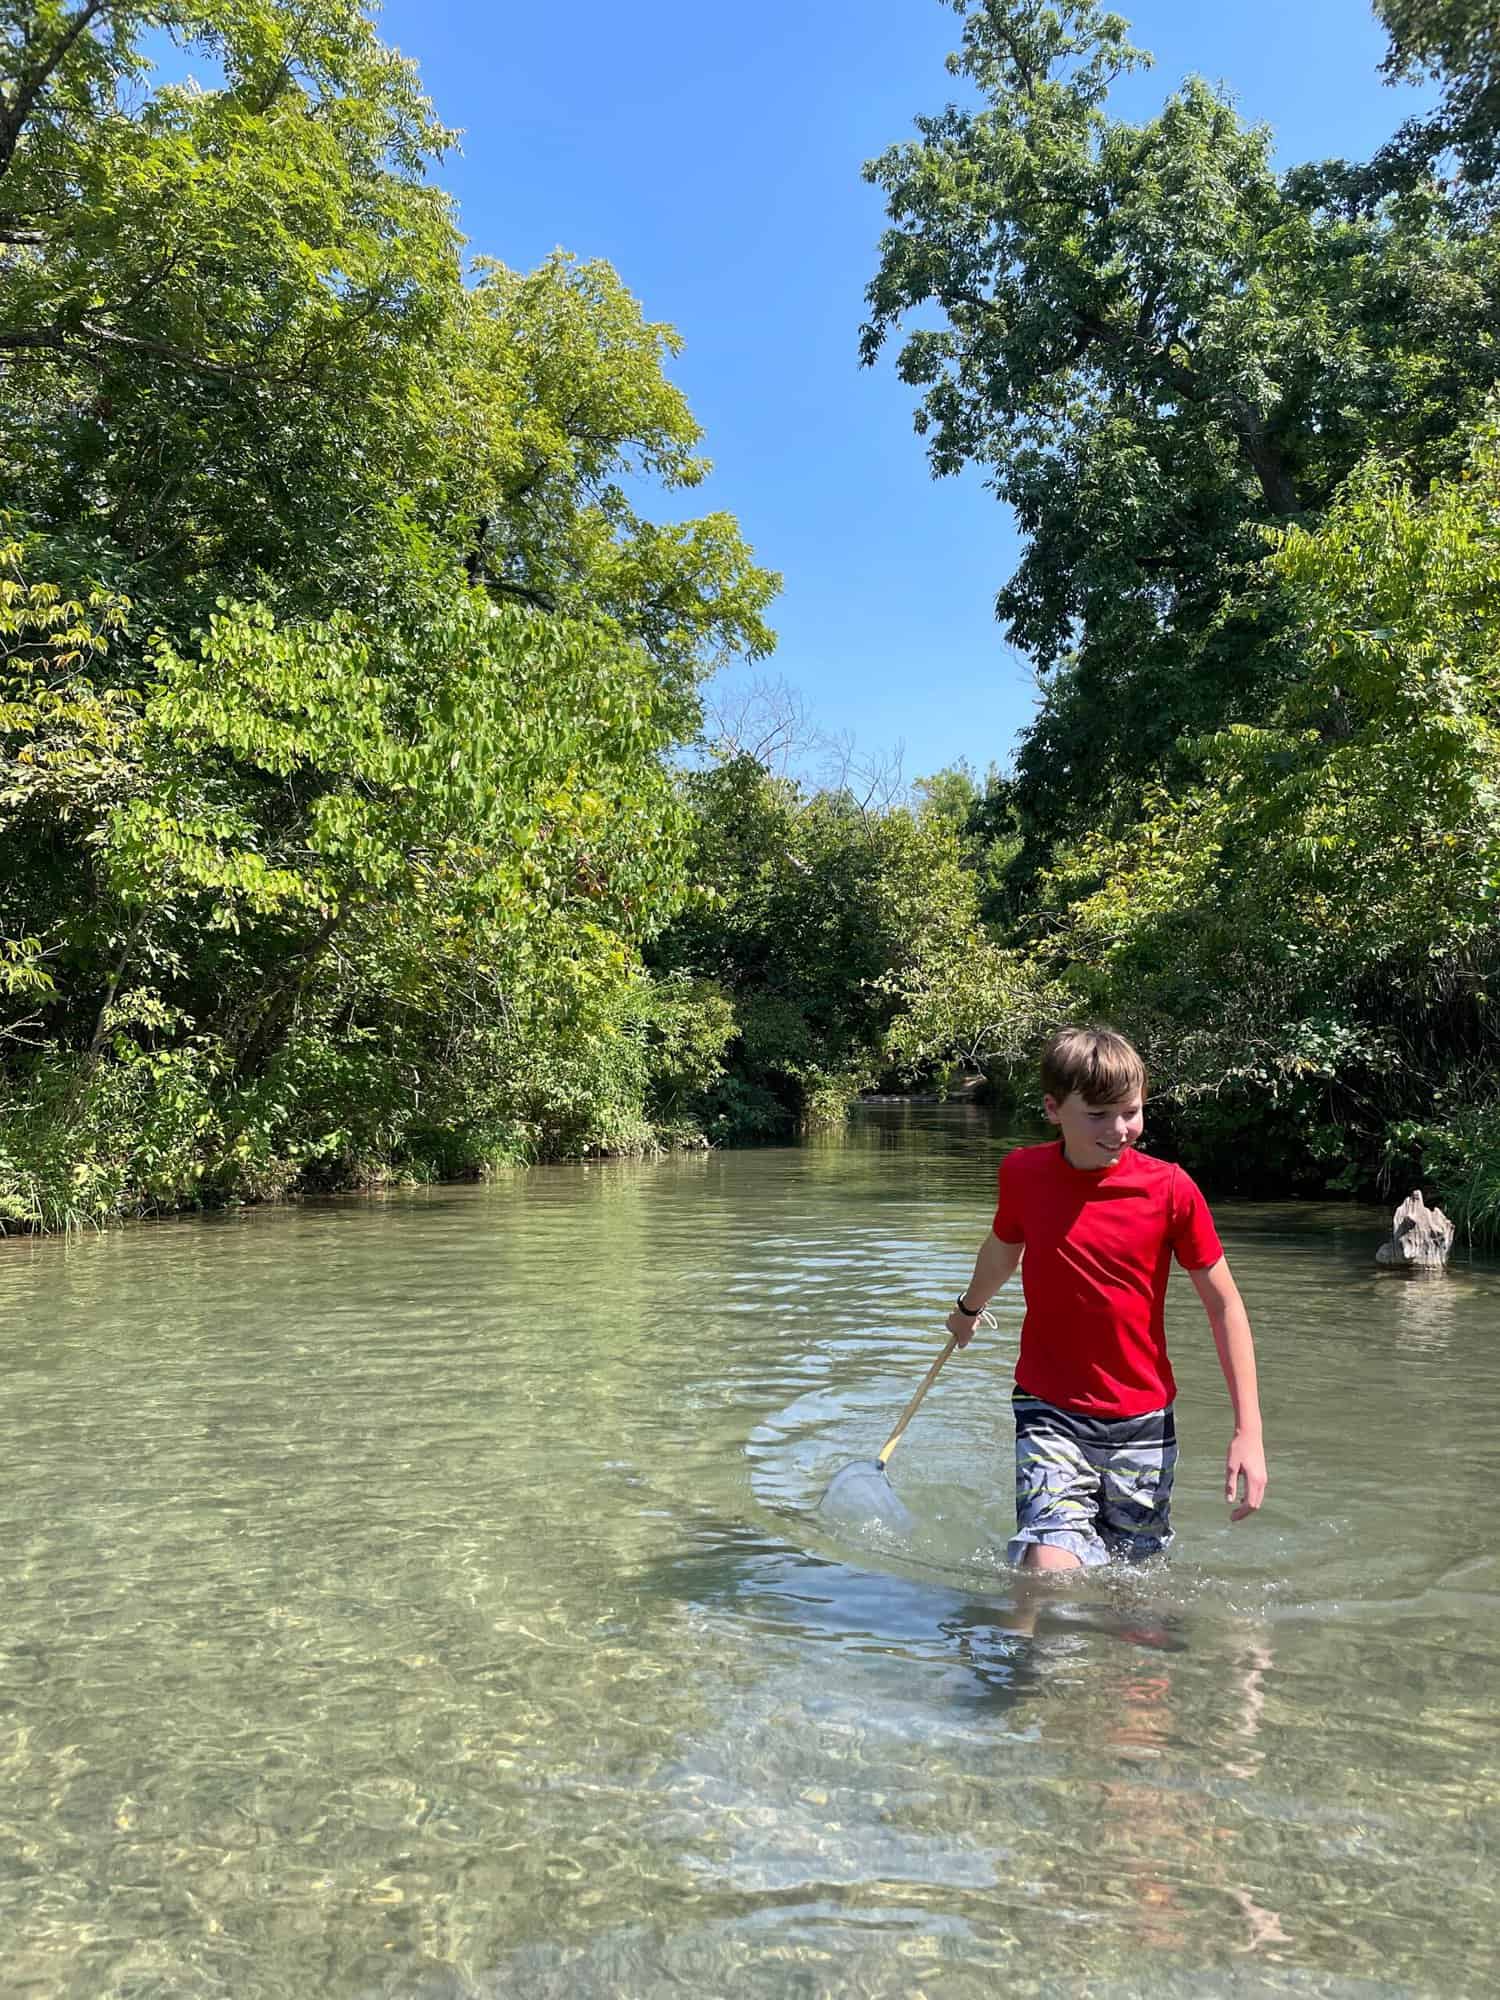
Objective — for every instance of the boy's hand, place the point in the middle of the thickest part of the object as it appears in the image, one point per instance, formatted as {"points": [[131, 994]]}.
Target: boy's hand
{"points": [[1245, 1475], [962, 1326]]}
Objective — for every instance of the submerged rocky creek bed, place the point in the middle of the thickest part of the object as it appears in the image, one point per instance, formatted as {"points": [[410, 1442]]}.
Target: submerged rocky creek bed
{"points": [[424, 1597]]}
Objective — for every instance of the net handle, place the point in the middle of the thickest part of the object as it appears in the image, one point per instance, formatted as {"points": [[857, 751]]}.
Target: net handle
{"points": [[915, 1404]]}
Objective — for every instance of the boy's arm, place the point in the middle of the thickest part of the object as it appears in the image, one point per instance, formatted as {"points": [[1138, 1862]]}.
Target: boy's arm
{"points": [[994, 1264], [1245, 1468]]}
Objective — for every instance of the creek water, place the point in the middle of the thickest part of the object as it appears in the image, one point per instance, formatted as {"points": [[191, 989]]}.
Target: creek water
{"points": [[426, 1597]]}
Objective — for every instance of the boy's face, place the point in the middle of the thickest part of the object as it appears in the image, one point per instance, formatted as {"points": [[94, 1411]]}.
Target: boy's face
{"points": [[1095, 1135]]}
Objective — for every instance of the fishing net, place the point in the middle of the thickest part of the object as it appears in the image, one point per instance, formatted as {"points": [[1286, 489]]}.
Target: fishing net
{"points": [[862, 1496]]}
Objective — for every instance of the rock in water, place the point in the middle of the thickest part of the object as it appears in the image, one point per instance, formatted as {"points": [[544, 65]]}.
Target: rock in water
{"points": [[1420, 1239]]}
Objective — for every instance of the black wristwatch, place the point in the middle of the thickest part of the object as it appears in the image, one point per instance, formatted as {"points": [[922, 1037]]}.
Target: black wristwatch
{"points": [[969, 1312]]}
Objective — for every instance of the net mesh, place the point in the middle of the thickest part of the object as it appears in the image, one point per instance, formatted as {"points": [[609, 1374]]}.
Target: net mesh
{"points": [[862, 1496]]}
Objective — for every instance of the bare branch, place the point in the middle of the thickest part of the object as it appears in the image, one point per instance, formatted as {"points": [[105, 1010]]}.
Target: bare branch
{"points": [[767, 721], [873, 784], [882, 780], [16, 1032]]}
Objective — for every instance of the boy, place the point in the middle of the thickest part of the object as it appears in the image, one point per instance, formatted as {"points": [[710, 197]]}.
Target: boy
{"points": [[1099, 1223]]}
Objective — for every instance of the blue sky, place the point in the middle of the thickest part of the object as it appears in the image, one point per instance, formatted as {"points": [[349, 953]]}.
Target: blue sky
{"points": [[713, 155]]}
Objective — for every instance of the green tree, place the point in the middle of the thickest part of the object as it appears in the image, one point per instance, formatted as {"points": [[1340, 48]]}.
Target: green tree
{"points": [[223, 307], [245, 361], [420, 837], [70, 753], [343, 659], [1456, 43], [1310, 932], [1157, 347], [816, 916], [563, 387], [989, 839]]}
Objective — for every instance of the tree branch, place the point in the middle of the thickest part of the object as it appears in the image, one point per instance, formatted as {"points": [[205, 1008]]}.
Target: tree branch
{"points": [[1023, 69], [280, 1008], [286, 70], [60, 340], [13, 114], [198, 364], [1248, 423], [539, 600], [1265, 460]]}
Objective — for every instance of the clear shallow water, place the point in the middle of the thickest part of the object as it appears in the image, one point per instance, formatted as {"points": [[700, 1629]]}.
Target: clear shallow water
{"points": [[426, 1598]]}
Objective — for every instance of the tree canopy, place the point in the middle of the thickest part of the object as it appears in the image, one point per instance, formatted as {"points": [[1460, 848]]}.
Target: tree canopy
{"points": [[343, 662], [1457, 44], [1245, 419], [1158, 347]]}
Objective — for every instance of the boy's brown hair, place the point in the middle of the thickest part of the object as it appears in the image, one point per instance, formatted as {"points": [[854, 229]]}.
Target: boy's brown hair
{"points": [[1096, 1062]]}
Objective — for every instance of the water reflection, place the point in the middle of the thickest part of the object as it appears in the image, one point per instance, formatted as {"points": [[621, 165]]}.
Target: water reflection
{"points": [[1428, 1307]]}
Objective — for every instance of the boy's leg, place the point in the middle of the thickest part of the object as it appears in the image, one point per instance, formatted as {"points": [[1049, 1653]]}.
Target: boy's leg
{"points": [[1136, 1488], [1042, 1555], [1057, 1492]]}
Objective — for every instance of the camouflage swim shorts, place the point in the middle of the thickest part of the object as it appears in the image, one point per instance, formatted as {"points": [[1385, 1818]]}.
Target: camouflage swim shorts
{"points": [[1100, 1487]]}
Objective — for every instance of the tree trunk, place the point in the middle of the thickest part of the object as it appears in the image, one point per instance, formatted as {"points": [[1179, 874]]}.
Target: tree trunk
{"points": [[1420, 1239]]}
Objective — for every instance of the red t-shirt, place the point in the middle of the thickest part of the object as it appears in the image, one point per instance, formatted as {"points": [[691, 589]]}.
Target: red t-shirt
{"points": [[1099, 1245]]}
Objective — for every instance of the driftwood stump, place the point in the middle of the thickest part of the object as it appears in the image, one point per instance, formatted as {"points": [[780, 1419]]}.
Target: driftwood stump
{"points": [[1420, 1238]]}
